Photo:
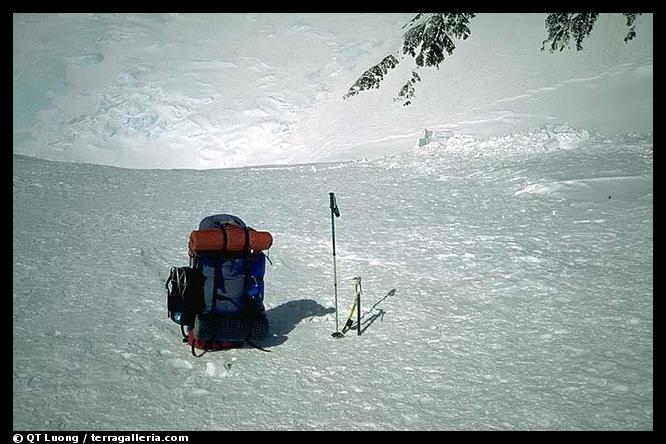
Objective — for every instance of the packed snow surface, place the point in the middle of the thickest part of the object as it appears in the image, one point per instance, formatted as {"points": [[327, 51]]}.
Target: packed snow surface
{"points": [[508, 284]]}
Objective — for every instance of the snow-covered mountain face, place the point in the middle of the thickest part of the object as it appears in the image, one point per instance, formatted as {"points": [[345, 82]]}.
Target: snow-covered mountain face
{"points": [[228, 90], [507, 285]]}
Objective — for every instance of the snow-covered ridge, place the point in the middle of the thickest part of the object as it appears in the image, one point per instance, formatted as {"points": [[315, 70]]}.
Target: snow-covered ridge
{"points": [[546, 138]]}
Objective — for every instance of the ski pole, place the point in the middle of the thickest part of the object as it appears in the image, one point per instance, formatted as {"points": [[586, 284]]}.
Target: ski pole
{"points": [[359, 291], [355, 309], [335, 212]]}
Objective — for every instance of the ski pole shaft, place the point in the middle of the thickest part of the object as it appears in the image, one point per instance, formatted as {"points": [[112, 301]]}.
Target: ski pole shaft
{"points": [[358, 313], [335, 287], [334, 213]]}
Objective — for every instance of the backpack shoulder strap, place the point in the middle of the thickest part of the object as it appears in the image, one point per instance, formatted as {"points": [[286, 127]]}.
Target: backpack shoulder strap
{"points": [[194, 353], [252, 344]]}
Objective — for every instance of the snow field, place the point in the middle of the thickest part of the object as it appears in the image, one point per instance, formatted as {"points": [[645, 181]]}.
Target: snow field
{"points": [[484, 307]]}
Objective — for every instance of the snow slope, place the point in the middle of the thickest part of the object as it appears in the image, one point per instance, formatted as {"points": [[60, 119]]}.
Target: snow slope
{"points": [[508, 284], [227, 90]]}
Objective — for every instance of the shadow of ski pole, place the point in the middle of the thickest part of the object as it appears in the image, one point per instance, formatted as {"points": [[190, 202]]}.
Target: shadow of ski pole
{"points": [[379, 315], [368, 322]]}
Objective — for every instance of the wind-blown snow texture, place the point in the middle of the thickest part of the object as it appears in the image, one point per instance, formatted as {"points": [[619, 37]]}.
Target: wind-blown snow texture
{"points": [[507, 285], [507, 274]]}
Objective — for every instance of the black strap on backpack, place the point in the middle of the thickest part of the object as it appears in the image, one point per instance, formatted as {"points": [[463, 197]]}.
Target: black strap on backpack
{"points": [[178, 284], [246, 257], [205, 347], [246, 251], [252, 344], [166, 285], [225, 242], [202, 353]]}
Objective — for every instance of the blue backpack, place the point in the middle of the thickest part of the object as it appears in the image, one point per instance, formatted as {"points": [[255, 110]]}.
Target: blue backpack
{"points": [[226, 290]]}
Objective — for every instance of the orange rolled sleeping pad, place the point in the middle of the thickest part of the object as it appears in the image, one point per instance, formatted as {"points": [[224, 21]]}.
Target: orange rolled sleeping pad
{"points": [[231, 240]]}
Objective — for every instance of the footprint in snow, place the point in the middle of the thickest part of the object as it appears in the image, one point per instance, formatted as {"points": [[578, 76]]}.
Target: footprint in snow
{"points": [[88, 60], [196, 393], [180, 363], [212, 371]]}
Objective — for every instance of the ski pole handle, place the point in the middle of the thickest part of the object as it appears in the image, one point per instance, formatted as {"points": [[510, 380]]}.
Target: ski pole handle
{"points": [[334, 205]]}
